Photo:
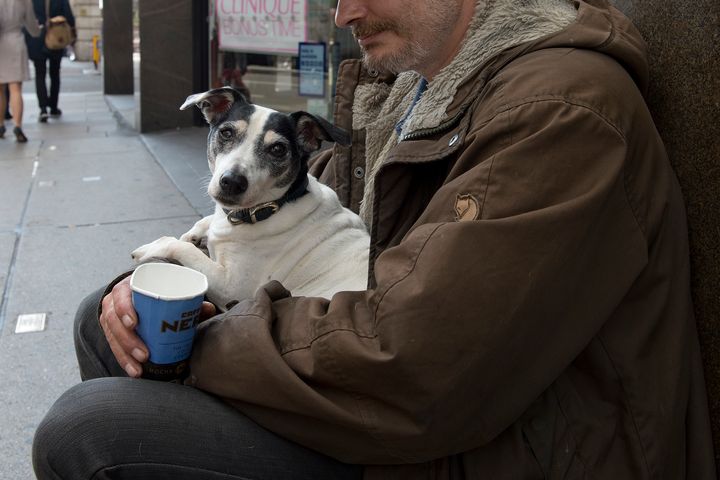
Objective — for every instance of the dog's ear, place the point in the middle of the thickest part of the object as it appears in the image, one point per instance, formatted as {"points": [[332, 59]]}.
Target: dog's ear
{"points": [[215, 102], [312, 130]]}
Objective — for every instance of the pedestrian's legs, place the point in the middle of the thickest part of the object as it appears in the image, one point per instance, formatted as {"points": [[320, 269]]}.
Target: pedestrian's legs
{"points": [[54, 84], [16, 103], [40, 85], [16, 107], [125, 428]]}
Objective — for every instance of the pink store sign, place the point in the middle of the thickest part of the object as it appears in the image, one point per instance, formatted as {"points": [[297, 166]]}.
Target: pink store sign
{"points": [[265, 26]]}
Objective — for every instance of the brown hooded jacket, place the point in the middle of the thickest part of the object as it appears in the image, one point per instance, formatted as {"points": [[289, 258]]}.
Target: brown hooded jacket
{"points": [[528, 313]]}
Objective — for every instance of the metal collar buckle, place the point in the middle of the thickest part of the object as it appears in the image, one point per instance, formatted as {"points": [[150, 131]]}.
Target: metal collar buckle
{"points": [[236, 217], [232, 219], [273, 206]]}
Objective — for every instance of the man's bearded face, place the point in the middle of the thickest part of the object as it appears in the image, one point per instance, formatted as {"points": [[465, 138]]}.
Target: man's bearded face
{"points": [[402, 35]]}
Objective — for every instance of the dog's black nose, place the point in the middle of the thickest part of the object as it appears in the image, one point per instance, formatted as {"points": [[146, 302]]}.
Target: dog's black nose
{"points": [[233, 184]]}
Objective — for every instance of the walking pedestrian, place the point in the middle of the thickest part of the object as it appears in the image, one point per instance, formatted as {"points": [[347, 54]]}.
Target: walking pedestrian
{"points": [[14, 15], [42, 57]]}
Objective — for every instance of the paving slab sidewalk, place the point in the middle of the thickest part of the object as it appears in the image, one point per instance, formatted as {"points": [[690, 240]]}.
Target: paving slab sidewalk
{"points": [[74, 201]]}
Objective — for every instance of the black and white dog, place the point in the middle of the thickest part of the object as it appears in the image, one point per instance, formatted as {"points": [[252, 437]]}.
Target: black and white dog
{"points": [[272, 220]]}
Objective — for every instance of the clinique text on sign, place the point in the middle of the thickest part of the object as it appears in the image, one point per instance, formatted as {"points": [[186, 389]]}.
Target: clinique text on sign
{"points": [[266, 26]]}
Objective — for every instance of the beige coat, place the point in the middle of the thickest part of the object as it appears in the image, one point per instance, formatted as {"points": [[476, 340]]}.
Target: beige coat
{"points": [[528, 313], [14, 15]]}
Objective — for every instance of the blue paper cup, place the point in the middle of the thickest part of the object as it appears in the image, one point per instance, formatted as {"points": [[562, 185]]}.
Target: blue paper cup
{"points": [[167, 299]]}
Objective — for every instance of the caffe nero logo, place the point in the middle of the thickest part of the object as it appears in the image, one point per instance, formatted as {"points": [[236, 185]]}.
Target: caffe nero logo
{"points": [[188, 320]]}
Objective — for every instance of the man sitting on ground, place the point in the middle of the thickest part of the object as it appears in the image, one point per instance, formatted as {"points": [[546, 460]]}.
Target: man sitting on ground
{"points": [[528, 311]]}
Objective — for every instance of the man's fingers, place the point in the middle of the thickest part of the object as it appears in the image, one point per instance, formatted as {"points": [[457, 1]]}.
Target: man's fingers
{"points": [[126, 338], [207, 310], [127, 347], [131, 366], [118, 320], [122, 301], [107, 319], [124, 312]]}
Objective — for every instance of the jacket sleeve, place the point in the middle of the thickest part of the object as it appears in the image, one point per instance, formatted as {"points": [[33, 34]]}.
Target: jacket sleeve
{"points": [[68, 13], [30, 22], [470, 321], [319, 162], [38, 7]]}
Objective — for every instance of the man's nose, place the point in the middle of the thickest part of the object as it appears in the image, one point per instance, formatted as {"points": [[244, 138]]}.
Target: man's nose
{"points": [[348, 11]]}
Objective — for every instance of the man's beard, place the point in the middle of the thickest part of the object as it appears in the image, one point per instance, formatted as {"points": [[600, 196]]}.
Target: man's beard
{"points": [[401, 61], [407, 58], [420, 35]]}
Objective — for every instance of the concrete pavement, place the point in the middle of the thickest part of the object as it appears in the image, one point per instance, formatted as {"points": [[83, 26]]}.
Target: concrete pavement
{"points": [[74, 201]]}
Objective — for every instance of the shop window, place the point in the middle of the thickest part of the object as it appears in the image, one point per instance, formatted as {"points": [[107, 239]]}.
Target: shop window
{"points": [[282, 54]]}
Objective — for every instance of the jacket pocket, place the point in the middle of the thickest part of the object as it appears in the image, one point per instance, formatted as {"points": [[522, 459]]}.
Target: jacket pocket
{"points": [[548, 435]]}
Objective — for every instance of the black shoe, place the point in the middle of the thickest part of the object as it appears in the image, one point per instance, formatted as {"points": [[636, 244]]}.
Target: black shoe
{"points": [[55, 112], [8, 116], [2, 131], [43, 117], [19, 135]]}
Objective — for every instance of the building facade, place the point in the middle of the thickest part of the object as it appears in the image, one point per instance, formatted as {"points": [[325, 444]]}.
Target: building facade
{"points": [[282, 54], [88, 23]]}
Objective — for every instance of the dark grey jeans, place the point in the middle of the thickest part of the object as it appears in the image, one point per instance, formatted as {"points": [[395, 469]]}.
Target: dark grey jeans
{"points": [[114, 427]]}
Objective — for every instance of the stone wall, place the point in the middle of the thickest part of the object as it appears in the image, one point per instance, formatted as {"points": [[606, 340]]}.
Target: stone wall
{"points": [[117, 35], [166, 66], [683, 39], [88, 22]]}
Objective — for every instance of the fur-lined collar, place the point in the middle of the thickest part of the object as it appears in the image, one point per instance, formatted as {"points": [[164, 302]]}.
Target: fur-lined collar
{"points": [[497, 25]]}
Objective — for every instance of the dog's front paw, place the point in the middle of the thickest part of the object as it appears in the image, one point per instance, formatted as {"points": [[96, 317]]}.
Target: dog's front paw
{"points": [[162, 247], [198, 233], [193, 237]]}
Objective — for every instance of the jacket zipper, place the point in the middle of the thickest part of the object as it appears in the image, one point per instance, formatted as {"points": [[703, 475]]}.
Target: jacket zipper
{"points": [[442, 128]]}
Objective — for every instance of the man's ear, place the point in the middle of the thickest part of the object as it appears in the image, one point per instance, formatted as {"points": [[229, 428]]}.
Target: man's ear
{"points": [[312, 130], [215, 102]]}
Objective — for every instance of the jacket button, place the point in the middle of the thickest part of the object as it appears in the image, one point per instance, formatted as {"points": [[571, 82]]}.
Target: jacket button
{"points": [[373, 73], [359, 172], [454, 140]]}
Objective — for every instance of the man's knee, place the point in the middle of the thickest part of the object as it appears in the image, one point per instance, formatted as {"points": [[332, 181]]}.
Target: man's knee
{"points": [[64, 442]]}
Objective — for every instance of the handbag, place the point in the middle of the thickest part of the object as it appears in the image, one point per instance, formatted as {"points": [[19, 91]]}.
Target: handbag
{"points": [[58, 34]]}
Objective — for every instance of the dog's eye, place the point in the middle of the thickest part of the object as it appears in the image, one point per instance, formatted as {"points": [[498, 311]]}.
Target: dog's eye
{"points": [[226, 133], [278, 150]]}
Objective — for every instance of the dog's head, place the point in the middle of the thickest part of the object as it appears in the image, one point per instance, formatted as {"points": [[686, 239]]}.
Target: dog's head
{"points": [[255, 153]]}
